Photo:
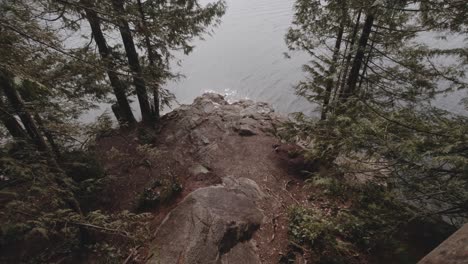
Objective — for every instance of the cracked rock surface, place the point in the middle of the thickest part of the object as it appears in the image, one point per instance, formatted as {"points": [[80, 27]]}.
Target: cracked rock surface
{"points": [[211, 225]]}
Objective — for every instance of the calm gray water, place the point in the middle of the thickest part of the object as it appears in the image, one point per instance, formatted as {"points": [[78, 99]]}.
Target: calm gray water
{"points": [[244, 59]]}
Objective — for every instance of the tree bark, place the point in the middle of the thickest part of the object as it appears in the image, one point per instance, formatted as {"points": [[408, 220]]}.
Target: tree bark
{"points": [[133, 61], [350, 54], [11, 124], [6, 83], [152, 58], [126, 116], [366, 64], [332, 70], [359, 58], [48, 135]]}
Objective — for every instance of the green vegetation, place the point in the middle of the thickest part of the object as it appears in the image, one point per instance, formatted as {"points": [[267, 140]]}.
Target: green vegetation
{"points": [[160, 192], [389, 158], [377, 90], [44, 205], [375, 72], [49, 175], [360, 222]]}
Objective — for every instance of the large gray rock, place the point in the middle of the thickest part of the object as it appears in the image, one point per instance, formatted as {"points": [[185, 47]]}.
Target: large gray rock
{"points": [[211, 225], [454, 250], [244, 117], [247, 127]]}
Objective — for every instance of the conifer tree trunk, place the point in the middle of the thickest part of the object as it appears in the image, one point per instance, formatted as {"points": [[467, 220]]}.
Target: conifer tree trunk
{"points": [[10, 122], [152, 57], [332, 71], [6, 84], [366, 64], [48, 135], [133, 61], [350, 54], [41, 126], [359, 58], [126, 114]]}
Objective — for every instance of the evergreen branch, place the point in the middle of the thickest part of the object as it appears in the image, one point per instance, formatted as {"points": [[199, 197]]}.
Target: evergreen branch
{"points": [[448, 78], [59, 50], [402, 124], [401, 30], [111, 230]]}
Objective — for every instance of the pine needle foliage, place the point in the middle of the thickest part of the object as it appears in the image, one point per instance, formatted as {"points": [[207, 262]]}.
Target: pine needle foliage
{"points": [[376, 91], [361, 223]]}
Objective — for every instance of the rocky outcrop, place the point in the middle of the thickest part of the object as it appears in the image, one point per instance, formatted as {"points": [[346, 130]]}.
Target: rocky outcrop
{"points": [[246, 118], [224, 157], [453, 251], [240, 219], [211, 225]]}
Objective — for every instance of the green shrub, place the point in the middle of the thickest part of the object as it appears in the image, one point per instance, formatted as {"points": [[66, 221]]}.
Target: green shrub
{"points": [[309, 227], [146, 135], [160, 192], [369, 224], [331, 187], [41, 213], [82, 165]]}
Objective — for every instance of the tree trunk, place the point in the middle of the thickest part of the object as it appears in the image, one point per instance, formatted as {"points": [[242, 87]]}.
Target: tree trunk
{"points": [[366, 64], [350, 54], [133, 61], [126, 116], [359, 58], [332, 71], [40, 124], [48, 135], [11, 124], [6, 83], [152, 57], [342, 72]]}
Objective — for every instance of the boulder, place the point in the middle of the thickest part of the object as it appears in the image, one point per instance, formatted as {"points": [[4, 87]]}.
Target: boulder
{"points": [[211, 225], [247, 127], [242, 253], [257, 111], [245, 118], [454, 250]]}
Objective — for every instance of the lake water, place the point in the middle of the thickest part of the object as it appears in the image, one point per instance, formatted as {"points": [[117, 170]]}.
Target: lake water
{"points": [[244, 59]]}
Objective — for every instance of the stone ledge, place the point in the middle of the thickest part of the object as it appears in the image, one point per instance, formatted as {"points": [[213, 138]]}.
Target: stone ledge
{"points": [[454, 250]]}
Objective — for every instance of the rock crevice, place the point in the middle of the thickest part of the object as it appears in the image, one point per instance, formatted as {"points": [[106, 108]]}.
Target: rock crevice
{"points": [[210, 225]]}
